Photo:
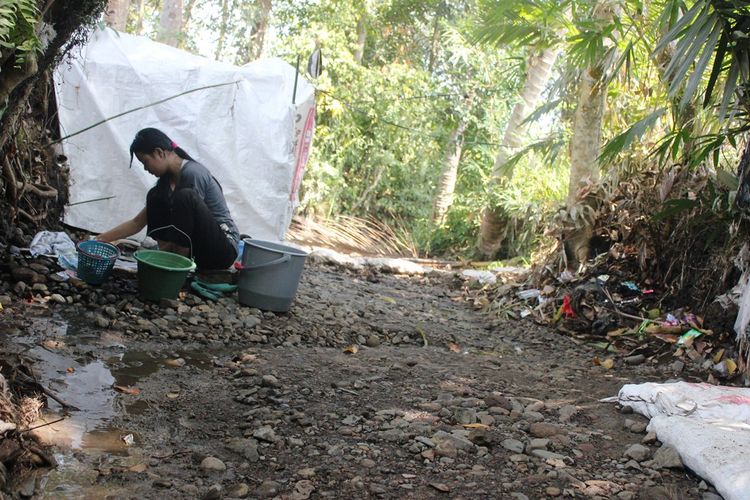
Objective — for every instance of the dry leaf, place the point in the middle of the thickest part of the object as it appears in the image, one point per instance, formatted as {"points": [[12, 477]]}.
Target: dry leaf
{"points": [[138, 468], [476, 426], [173, 395], [454, 347], [731, 366], [441, 487], [618, 332], [607, 364], [70, 369], [352, 349], [670, 338], [718, 355], [176, 363], [388, 299], [134, 391]]}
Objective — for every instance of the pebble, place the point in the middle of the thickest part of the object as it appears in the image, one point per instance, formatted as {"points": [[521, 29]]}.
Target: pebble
{"points": [[213, 464], [372, 341], [553, 491], [638, 452], [267, 489], [667, 457], [543, 430], [513, 445], [266, 434], [239, 490], [270, 381]]}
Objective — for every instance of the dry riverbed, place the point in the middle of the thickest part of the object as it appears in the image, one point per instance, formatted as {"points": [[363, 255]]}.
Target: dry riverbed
{"points": [[373, 385]]}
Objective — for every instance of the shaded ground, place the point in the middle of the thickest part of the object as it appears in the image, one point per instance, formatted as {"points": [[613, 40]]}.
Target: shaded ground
{"points": [[232, 402]]}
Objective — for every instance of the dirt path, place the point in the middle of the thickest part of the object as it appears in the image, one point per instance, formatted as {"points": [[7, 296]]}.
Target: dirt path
{"points": [[234, 403]]}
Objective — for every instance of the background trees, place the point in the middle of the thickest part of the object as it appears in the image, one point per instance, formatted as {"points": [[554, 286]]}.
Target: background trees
{"points": [[467, 124]]}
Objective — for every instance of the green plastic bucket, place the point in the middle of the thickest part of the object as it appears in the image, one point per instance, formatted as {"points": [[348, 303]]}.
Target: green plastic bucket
{"points": [[161, 274]]}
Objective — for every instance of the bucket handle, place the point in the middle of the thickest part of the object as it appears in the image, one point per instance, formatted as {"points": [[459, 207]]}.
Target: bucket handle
{"points": [[280, 260], [190, 241]]}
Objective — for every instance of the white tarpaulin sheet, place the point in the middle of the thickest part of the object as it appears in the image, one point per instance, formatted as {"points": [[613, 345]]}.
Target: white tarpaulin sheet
{"points": [[708, 425], [244, 129]]}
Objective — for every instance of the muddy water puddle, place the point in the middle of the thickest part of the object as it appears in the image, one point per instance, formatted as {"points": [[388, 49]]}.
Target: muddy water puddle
{"points": [[87, 422]]}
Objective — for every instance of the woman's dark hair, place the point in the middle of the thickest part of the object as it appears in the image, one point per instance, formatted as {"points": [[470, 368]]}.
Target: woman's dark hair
{"points": [[149, 139]]}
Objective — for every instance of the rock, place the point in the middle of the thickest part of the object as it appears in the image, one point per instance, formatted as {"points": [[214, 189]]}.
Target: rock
{"points": [[638, 452], [26, 275], [636, 359], [267, 489], [213, 464], [499, 401], [213, 493], [512, 445], [425, 441], [638, 427], [372, 341], [538, 444], [649, 438], [248, 448], [567, 412], [666, 457], [367, 463], [446, 449], [55, 297], [302, 490], [543, 430], [458, 442], [251, 322], [266, 434], [306, 473], [546, 455], [5, 300], [101, 321], [239, 490], [270, 381], [465, 415], [553, 491]]}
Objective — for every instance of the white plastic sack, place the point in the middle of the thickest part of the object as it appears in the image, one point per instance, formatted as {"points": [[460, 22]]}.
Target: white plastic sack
{"points": [[247, 133], [708, 425]]}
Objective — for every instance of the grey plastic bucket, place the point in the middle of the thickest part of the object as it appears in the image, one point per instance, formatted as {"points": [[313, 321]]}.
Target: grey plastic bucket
{"points": [[269, 275]]}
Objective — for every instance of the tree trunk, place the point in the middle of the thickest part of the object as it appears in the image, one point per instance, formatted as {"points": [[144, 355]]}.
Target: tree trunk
{"points": [[116, 14], [187, 13], [361, 37], [139, 19], [170, 22], [494, 220], [260, 29], [434, 44], [449, 175], [585, 144], [223, 28]]}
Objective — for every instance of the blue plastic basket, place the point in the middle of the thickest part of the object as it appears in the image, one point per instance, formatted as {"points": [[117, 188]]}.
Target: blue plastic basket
{"points": [[95, 260]]}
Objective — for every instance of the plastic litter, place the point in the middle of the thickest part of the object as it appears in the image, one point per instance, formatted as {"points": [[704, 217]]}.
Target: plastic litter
{"points": [[690, 334]]}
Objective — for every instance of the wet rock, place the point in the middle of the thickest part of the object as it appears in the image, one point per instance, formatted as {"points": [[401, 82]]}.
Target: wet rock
{"points": [[638, 452], [213, 464], [26, 275]]}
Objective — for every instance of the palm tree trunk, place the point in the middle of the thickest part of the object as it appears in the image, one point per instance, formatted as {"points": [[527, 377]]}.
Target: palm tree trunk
{"points": [[585, 144], [262, 21], [223, 28], [361, 37], [494, 220], [116, 14], [449, 175], [170, 22]]}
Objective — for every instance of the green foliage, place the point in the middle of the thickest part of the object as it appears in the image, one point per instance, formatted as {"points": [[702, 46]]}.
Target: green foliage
{"points": [[18, 20]]}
